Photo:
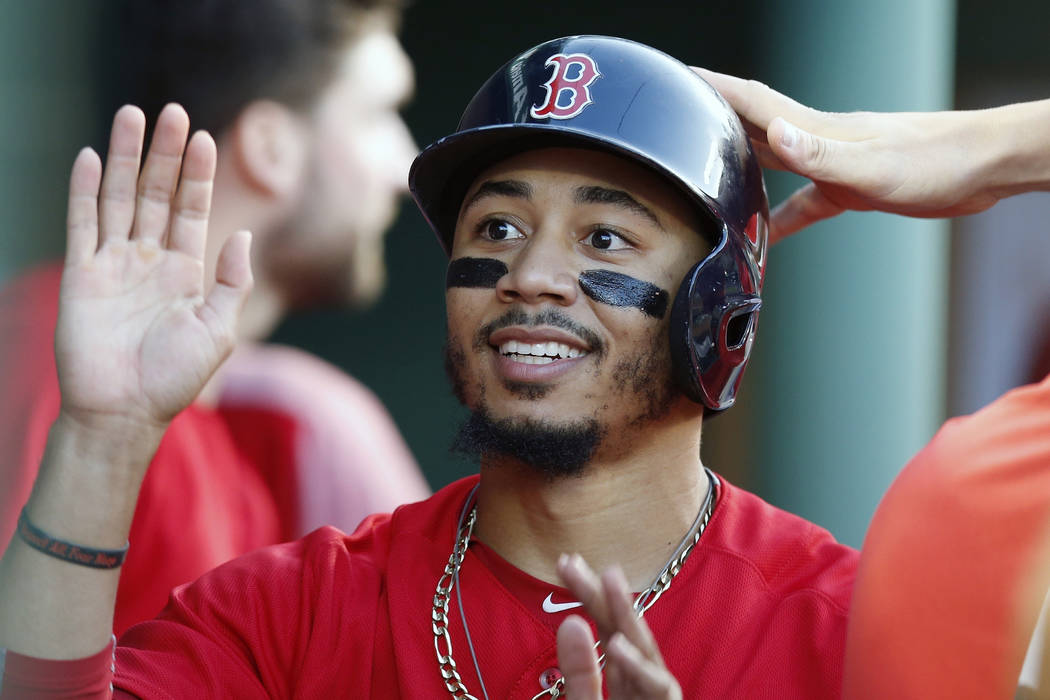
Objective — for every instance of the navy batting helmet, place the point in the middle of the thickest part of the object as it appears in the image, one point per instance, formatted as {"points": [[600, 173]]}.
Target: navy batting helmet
{"points": [[629, 99]]}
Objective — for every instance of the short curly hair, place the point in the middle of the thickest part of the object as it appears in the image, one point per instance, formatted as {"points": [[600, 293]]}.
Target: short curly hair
{"points": [[216, 56]]}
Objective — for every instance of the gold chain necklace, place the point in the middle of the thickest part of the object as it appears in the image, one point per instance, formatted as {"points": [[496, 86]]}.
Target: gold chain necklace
{"points": [[645, 600]]}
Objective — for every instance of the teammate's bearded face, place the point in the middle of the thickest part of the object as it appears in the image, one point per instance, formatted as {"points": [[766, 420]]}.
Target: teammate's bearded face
{"points": [[357, 169], [557, 340]]}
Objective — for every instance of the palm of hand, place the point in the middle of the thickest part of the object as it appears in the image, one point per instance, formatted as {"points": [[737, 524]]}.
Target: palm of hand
{"points": [[153, 355], [137, 338]]}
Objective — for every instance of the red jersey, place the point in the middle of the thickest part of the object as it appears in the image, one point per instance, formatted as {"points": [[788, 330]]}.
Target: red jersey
{"points": [[955, 562], [758, 611]]}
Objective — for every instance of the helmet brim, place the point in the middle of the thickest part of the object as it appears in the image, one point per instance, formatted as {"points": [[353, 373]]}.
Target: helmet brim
{"points": [[443, 173]]}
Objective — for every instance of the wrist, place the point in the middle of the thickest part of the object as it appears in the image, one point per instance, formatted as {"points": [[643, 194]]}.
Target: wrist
{"points": [[1018, 138], [90, 477], [118, 443]]}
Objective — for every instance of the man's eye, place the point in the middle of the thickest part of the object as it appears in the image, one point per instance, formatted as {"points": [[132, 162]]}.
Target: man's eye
{"points": [[500, 230], [606, 239]]}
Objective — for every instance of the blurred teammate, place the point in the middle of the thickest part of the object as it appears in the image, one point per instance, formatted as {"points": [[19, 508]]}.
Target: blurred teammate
{"points": [[303, 100]]}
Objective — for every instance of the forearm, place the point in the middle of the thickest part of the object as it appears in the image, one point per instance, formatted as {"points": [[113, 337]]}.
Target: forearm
{"points": [[1019, 135], [85, 493]]}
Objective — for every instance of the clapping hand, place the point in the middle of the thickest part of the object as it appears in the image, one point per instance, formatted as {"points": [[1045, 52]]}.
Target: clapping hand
{"points": [[634, 667]]}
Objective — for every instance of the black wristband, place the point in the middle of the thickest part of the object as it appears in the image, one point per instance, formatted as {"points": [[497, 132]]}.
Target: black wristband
{"points": [[67, 551]]}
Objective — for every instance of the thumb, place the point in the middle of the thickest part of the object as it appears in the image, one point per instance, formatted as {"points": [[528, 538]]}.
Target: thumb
{"points": [[805, 153], [233, 281]]}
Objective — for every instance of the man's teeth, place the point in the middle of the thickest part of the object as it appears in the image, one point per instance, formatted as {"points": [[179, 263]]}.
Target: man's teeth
{"points": [[538, 353]]}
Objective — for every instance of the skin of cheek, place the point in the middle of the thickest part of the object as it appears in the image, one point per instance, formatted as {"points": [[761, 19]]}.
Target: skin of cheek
{"points": [[461, 354]]}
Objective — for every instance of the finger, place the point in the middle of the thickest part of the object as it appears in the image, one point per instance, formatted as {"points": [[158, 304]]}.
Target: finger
{"points": [[639, 673], [805, 207], [160, 174], [756, 102], [766, 157], [82, 213], [116, 208], [625, 618], [587, 587], [189, 224], [852, 163], [577, 659], [233, 281]]}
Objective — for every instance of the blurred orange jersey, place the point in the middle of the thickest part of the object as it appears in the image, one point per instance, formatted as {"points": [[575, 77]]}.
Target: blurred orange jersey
{"points": [[955, 566]]}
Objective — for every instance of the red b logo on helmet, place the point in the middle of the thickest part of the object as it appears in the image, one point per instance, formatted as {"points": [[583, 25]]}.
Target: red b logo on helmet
{"points": [[567, 96]]}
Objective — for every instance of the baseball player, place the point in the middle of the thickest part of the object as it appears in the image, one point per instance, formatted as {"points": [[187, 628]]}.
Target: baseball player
{"points": [[606, 225]]}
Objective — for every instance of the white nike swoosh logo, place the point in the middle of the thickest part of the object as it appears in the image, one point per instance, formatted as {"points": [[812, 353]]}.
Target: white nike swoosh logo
{"points": [[552, 607]]}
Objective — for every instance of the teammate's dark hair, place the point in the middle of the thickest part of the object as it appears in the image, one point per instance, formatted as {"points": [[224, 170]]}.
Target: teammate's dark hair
{"points": [[216, 56]]}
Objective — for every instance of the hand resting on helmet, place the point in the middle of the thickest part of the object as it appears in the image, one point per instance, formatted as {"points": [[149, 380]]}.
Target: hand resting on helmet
{"points": [[923, 164]]}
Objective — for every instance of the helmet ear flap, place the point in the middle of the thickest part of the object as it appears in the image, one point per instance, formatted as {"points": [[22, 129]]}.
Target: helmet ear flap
{"points": [[684, 351], [714, 319]]}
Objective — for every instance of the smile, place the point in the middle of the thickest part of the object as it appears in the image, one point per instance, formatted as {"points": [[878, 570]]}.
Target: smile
{"points": [[538, 353]]}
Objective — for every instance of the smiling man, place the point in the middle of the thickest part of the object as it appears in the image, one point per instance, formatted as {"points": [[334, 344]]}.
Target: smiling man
{"points": [[561, 265], [605, 220]]}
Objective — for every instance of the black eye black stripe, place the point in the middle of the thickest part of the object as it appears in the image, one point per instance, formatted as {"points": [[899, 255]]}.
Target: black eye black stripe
{"points": [[617, 289], [474, 272], [604, 286]]}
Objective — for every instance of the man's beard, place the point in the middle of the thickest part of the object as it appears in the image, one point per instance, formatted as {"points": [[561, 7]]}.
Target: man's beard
{"points": [[352, 278], [554, 450], [315, 262], [560, 448]]}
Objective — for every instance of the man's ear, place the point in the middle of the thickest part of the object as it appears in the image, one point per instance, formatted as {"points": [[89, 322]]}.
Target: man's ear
{"points": [[270, 144]]}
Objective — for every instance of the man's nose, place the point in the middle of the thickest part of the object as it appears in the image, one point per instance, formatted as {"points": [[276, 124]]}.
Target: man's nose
{"points": [[541, 271]]}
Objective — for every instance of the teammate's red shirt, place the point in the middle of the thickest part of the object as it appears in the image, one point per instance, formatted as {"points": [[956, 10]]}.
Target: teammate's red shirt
{"points": [[957, 560], [758, 611]]}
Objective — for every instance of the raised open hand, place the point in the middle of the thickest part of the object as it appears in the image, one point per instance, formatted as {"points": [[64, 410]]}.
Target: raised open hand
{"points": [[138, 333], [925, 164], [634, 667]]}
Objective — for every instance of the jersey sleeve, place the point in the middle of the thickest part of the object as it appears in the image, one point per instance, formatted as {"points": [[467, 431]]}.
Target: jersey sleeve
{"points": [[29, 678], [260, 626], [955, 564]]}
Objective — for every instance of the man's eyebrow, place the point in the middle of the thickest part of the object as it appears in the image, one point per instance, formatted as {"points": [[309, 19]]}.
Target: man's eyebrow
{"points": [[592, 194], [500, 188]]}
